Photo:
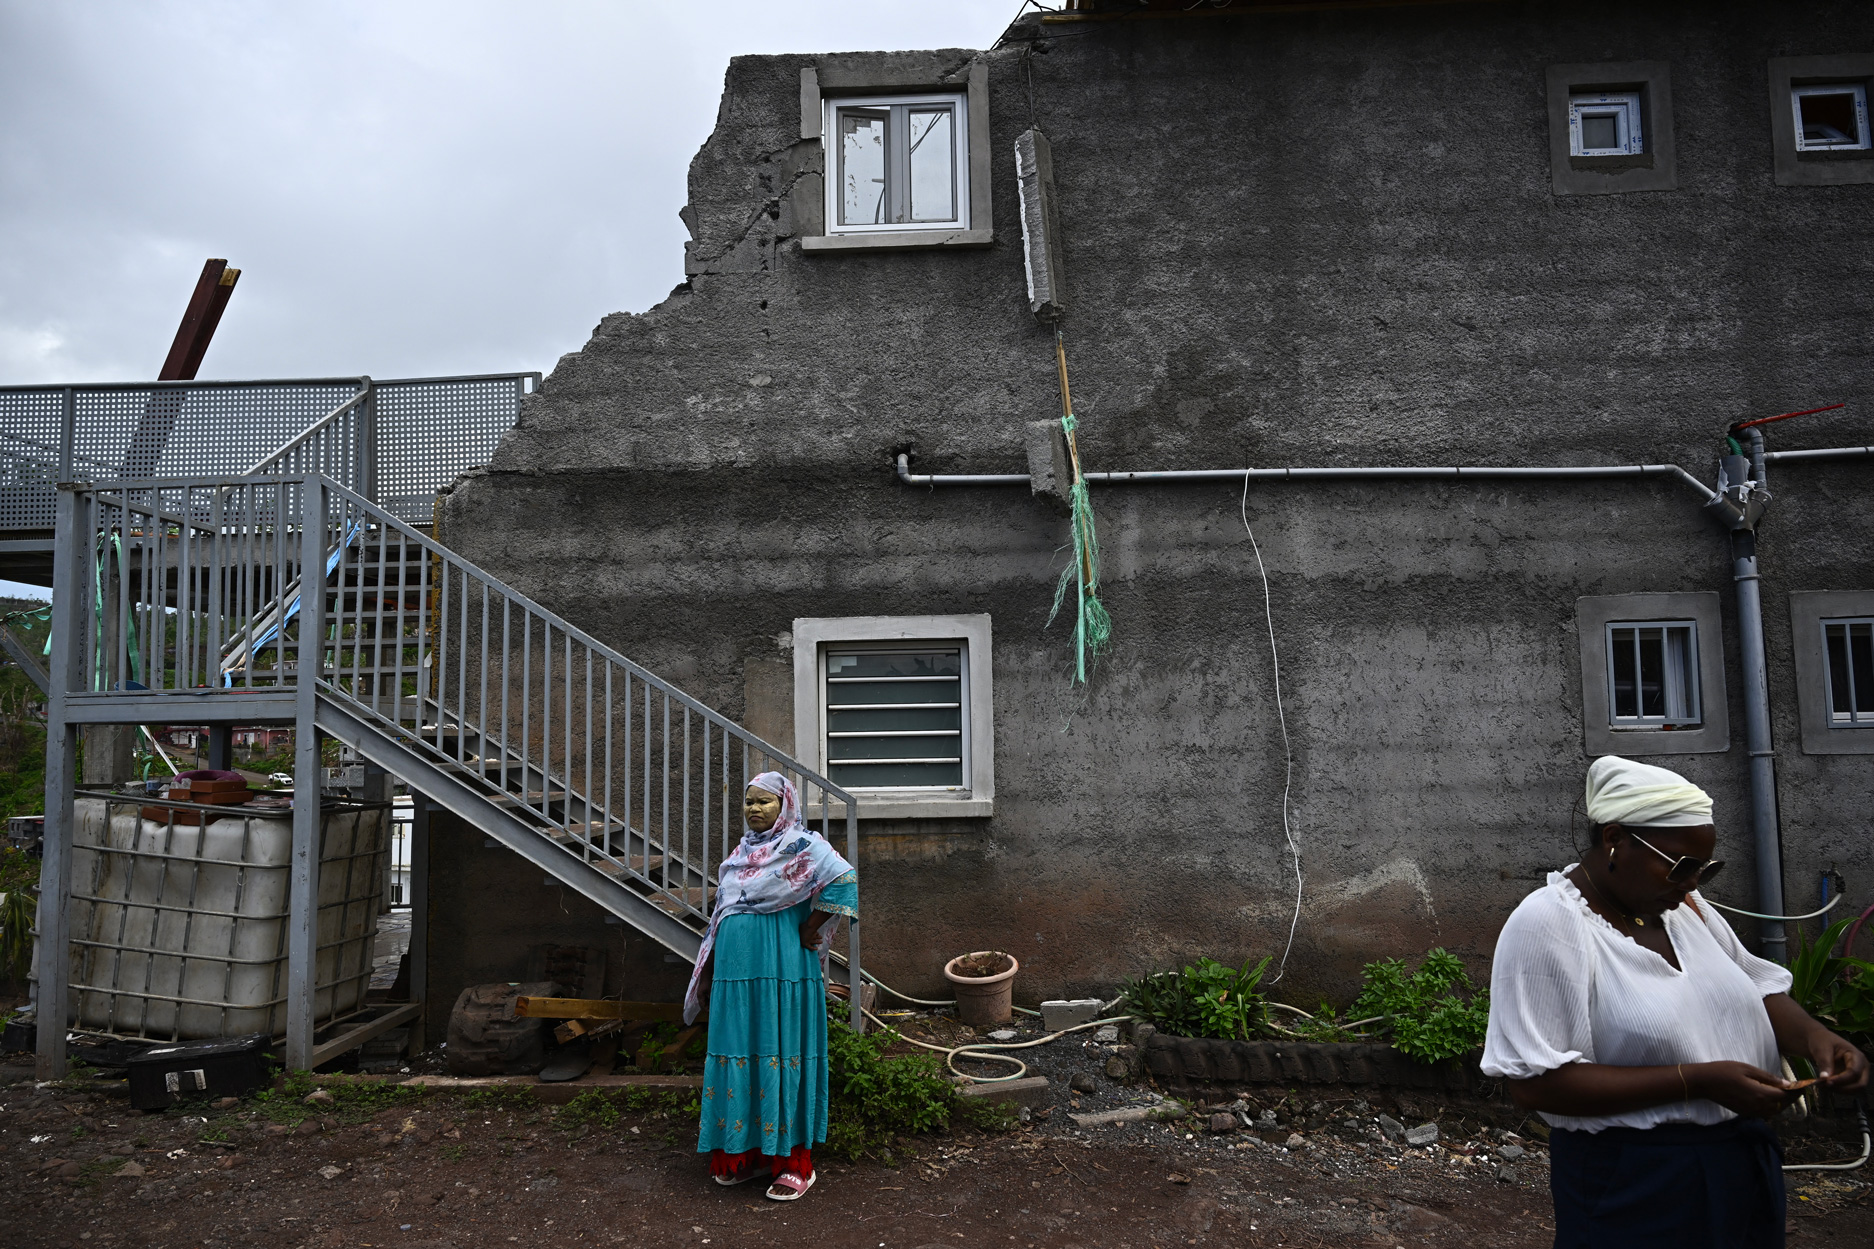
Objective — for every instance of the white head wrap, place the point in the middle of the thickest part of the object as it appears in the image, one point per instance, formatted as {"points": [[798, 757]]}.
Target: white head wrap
{"points": [[1621, 791]]}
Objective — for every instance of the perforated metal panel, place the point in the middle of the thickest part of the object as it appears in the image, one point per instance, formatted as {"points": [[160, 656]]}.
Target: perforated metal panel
{"points": [[431, 430], [425, 431]]}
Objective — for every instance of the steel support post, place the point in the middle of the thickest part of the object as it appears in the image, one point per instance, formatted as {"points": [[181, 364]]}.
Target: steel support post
{"points": [[419, 916], [221, 747], [303, 885], [53, 956]]}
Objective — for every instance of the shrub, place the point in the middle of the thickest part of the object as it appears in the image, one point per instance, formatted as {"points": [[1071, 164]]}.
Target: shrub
{"points": [[873, 1099], [1206, 999], [1428, 1018], [1837, 990]]}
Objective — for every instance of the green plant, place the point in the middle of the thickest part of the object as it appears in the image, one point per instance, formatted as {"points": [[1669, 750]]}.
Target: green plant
{"points": [[352, 1101], [873, 1099], [16, 938], [1205, 999], [590, 1109], [1836, 989], [1428, 1019]]}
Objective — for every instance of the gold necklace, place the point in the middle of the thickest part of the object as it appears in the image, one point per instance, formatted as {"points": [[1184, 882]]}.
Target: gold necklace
{"points": [[1635, 920]]}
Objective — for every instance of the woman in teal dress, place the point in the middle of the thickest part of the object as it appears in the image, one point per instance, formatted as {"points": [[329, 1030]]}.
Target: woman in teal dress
{"points": [[778, 898]]}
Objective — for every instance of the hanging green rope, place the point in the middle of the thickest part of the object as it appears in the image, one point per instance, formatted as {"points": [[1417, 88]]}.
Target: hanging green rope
{"points": [[1093, 628]]}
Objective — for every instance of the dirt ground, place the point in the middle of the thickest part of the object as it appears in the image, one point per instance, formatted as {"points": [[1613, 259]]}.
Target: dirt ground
{"points": [[374, 1168]]}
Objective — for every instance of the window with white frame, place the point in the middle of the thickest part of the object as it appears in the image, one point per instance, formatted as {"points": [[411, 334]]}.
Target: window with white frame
{"points": [[1605, 124], [899, 712], [1848, 661], [897, 163], [1831, 118], [1652, 674]]}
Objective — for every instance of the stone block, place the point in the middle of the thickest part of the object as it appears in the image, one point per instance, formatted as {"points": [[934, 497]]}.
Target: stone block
{"points": [[1057, 1015], [1423, 1134], [1051, 479], [1030, 1091]]}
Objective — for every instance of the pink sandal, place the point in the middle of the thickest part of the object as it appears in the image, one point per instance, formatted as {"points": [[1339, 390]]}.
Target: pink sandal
{"points": [[791, 1187]]}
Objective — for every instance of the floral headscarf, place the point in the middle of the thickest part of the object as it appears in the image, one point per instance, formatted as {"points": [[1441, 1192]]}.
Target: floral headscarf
{"points": [[768, 872]]}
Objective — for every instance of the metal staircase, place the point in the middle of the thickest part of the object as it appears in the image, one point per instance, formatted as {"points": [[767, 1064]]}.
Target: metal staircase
{"points": [[210, 599]]}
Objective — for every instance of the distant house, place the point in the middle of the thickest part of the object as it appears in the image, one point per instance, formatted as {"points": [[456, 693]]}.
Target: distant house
{"points": [[1352, 236]]}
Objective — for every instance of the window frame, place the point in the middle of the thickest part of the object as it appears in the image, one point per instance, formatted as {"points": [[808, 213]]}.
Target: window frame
{"points": [[1794, 165], [1857, 89], [1654, 167], [814, 637], [1601, 733], [958, 102], [1623, 104], [908, 76], [1810, 611], [1641, 721]]}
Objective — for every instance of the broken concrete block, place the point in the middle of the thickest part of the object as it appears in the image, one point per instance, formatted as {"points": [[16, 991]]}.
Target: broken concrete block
{"points": [[1423, 1134], [1031, 1091], [1510, 1153], [1050, 479], [1060, 1014], [1107, 1035], [1041, 226]]}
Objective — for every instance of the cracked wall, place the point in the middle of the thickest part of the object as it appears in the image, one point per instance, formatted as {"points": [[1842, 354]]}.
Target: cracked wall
{"points": [[1299, 239]]}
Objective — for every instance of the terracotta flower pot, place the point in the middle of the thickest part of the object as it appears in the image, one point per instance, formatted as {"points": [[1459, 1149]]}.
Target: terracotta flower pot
{"points": [[983, 1000]]}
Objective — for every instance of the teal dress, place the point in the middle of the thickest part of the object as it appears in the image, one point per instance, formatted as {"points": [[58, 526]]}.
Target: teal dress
{"points": [[765, 1080]]}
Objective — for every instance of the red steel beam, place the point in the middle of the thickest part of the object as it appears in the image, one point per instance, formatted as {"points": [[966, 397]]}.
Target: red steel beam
{"points": [[199, 321]]}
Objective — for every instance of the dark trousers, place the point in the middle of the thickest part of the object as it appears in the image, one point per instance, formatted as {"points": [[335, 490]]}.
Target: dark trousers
{"points": [[1679, 1184]]}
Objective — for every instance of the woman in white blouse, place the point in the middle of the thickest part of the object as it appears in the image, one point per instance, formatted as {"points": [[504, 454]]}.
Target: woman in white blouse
{"points": [[1626, 1012]]}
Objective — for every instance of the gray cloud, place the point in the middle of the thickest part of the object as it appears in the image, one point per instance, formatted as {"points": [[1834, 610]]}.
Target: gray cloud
{"points": [[409, 189]]}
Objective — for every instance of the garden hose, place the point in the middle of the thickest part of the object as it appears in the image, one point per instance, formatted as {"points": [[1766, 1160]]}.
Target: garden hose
{"points": [[984, 1051], [1860, 1114]]}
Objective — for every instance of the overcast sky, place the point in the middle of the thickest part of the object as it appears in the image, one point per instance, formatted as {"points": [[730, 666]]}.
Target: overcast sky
{"points": [[409, 187]]}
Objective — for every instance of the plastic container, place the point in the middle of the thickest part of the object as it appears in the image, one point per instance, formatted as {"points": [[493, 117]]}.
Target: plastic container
{"points": [[984, 1000], [179, 929]]}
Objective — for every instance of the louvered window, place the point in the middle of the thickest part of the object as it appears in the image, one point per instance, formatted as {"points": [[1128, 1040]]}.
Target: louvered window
{"points": [[896, 717]]}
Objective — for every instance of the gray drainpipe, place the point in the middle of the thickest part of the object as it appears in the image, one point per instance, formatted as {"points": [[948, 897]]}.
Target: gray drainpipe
{"points": [[1742, 495]]}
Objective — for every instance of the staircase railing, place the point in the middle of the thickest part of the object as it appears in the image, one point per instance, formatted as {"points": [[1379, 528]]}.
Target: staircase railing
{"points": [[590, 751]]}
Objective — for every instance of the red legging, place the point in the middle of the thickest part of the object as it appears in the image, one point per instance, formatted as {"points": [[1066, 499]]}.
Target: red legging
{"points": [[800, 1162]]}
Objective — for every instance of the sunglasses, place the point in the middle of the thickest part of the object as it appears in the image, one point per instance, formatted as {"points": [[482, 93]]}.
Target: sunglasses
{"points": [[1684, 870]]}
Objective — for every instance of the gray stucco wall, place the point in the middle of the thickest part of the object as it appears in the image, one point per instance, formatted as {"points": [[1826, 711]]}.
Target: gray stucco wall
{"points": [[1290, 240]]}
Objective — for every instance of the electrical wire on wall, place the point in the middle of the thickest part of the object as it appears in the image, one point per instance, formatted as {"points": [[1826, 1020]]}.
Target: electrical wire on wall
{"points": [[1281, 718]]}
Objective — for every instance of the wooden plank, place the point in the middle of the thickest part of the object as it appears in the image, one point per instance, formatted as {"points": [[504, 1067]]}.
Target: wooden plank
{"points": [[355, 1036], [589, 1008]]}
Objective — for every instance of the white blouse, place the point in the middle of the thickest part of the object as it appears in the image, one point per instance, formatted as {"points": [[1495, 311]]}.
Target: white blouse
{"points": [[1567, 986]]}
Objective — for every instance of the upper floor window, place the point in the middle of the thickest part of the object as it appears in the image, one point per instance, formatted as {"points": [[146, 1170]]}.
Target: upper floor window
{"points": [[1830, 118], [1605, 124], [1652, 673], [1848, 657], [899, 163]]}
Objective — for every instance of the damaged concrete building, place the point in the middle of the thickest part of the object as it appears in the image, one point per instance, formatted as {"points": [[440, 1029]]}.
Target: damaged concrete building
{"points": [[1498, 235]]}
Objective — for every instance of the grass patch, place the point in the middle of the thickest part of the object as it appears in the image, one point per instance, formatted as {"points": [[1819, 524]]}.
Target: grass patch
{"points": [[351, 1103], [875, 1101]]}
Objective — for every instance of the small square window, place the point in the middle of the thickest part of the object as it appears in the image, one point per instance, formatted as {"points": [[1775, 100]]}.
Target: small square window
{"points": [[895, 717], [1830, 118], [1605, 124], [1652, 674], [899, 712], [1848, 660], [899, 163]]}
